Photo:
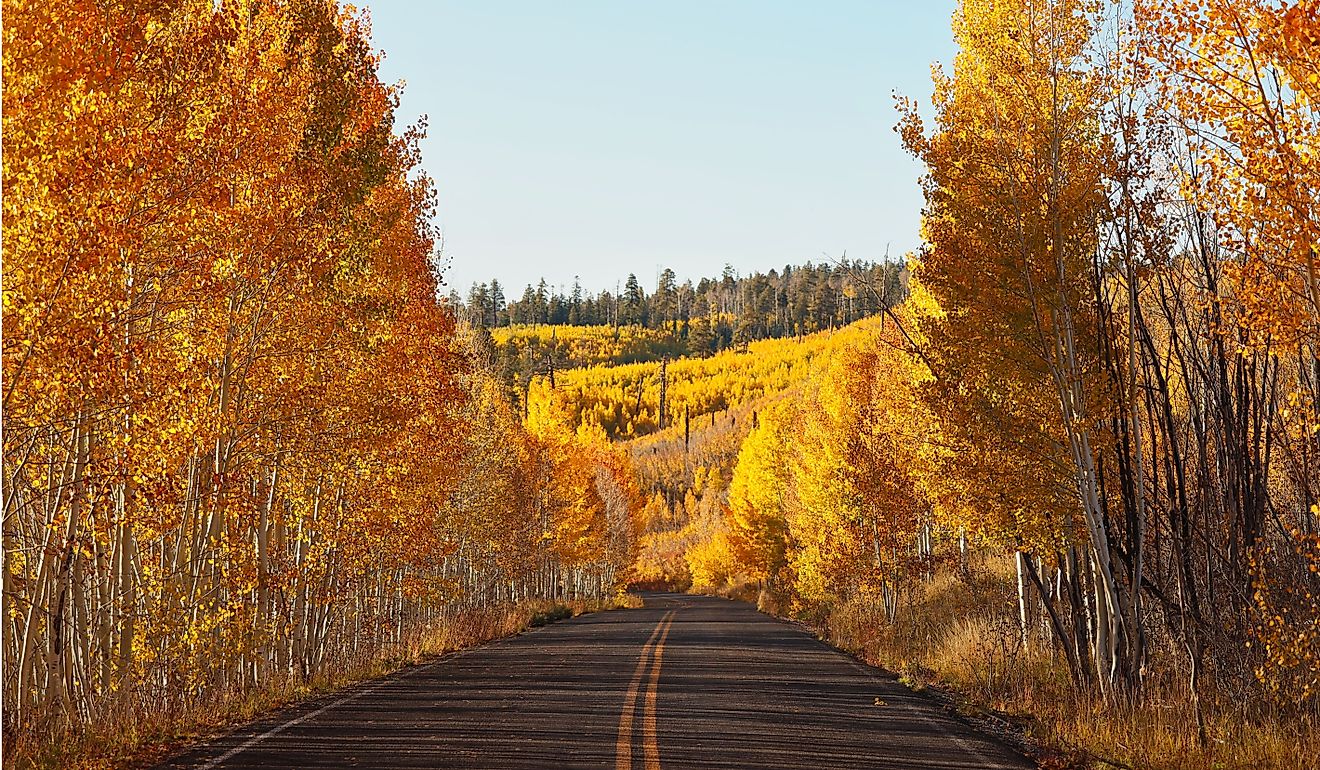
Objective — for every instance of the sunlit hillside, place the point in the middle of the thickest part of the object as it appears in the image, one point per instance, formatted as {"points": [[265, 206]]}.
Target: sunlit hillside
{"points": [[684, 476], [578, 346], [684, 470], [625, 401]]}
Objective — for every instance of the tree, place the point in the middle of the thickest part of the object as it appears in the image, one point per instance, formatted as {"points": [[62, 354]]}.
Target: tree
{"points": [[479, 304], [243, 438], [498, 316], [665, 300], [1014, 197], [575, 307], [541, 311], [758, 502], [633, 302], [527, 308]]}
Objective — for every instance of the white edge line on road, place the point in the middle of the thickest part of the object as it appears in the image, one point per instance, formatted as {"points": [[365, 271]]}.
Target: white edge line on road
{"points": [[931, 715], [250, 742], [254, 740]]}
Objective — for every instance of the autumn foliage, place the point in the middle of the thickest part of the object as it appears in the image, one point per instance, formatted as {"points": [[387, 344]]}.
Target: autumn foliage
{"points": [[625, 401], [244, 443], [1106, 371]]}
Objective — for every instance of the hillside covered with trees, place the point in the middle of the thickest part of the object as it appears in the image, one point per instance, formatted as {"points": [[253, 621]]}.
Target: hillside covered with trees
{"points": [[711, 314], [548, 332]]}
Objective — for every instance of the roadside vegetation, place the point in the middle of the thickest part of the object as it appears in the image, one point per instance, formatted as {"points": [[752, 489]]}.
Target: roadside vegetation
{"points": [[139, 734], [1075, 476]]}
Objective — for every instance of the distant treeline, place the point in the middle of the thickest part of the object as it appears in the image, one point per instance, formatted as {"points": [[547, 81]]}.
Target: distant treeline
{"points": [[712, 313]]}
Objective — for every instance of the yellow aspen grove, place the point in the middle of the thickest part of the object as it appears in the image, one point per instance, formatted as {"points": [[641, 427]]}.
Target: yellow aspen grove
{"points": [[232, 399], [849, 533], [587, 501], [492, 509], [625, 400], [762, 482], [1114, 302], [823, 505], [217, 519]]}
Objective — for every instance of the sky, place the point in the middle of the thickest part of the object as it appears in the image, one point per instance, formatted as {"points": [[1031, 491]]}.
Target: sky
{"points": [[599, 138]]}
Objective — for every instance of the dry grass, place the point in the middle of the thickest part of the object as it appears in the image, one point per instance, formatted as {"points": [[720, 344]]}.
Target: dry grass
{"points": [[627, 602], [961, 635], [138, 733]]}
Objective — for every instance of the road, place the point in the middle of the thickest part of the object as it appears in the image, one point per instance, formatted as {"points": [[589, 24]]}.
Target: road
{"points": [[683, 682]]}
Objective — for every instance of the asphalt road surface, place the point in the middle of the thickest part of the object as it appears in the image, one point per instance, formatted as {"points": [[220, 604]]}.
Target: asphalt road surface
{"points": [[684, 682]]}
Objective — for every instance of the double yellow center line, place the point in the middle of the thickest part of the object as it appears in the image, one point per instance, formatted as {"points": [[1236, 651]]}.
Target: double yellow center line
{"points": [[652, 653]]}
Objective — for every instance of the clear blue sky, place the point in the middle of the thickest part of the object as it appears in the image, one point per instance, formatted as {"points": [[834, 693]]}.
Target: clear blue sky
{"points": [[598, 138]]}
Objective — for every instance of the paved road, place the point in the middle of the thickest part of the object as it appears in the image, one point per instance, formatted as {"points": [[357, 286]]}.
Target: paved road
{"points": [[684, 682]]}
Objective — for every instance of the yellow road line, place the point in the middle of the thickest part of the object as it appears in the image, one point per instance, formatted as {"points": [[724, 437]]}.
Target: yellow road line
{"points": [[650, 748], [623, 745]]}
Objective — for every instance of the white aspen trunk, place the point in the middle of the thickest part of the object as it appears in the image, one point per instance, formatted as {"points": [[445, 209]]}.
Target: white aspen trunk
{"points": [[33, 677], [59, 664], [297, 641], [12, 630], [102, 613], [263, 608], [1024, 619], [81, 681], [1108, 616], [1104, 642], [399, 620], [27, 672], [1051, 594]]}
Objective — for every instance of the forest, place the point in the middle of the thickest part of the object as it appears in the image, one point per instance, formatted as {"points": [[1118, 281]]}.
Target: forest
{"points": [[248, 452], [713, 313], [1062, 461], [548, 332]]}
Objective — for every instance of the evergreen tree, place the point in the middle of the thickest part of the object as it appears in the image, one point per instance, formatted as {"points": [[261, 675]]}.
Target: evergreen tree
{"points": [[497, 305], [634, 302], [575, 303]]}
